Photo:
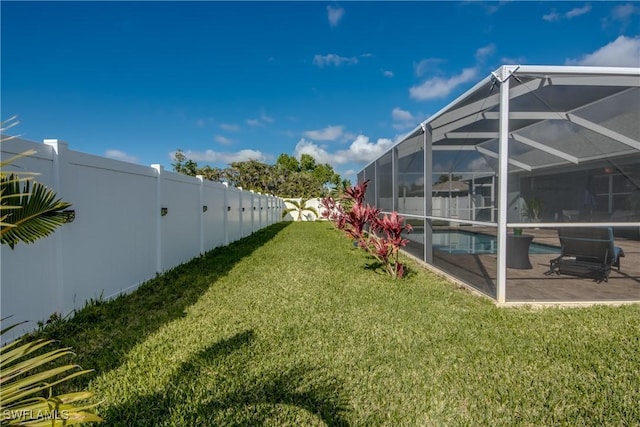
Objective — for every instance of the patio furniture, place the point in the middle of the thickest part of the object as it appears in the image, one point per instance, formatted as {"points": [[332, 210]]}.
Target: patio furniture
{"points": [[586, 252], [518, 251], [570, 215]]}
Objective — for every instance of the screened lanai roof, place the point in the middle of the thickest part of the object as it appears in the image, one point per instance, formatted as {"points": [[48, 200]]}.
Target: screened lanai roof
{"points": [[557, 116]]}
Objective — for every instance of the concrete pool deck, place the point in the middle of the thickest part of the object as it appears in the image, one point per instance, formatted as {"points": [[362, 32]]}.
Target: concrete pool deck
{"points": [[532, 286]]}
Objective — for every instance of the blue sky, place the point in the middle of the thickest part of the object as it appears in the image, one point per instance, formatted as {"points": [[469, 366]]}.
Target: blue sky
{"points": [[228, 81]]}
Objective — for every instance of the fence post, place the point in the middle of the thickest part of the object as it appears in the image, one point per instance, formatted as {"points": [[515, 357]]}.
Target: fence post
{"points": [[241, 212], [226, 213], [260, 211], [59, 158], [201, 211], [159, 169], [253, 211]]}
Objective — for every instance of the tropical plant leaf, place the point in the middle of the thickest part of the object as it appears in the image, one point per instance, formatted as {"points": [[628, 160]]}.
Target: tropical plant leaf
{"points": [[10, 354], [39, 213], [56, 411], [35, 383], [300, 206], [15, 369], [10, 160], [8, 328], [23, 385]]}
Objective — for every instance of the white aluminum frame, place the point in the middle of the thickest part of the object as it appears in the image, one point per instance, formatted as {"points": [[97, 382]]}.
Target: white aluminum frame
{"points": [[445, 123]]}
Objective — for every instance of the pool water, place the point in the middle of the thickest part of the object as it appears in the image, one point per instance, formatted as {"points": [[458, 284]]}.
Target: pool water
{"points": [[466, 242]]}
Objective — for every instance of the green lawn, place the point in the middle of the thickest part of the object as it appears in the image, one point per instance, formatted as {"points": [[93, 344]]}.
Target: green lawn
{"points": [[291, 327]]}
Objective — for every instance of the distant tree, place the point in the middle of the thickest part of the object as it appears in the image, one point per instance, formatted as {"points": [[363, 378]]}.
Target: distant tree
{"points": [[340, 187], [178, 161], [254, 175], [307, 163], [184, 165], [325, 174], [211, 174], [445, 178], [300, 184], [288, 177], [288, 163]]}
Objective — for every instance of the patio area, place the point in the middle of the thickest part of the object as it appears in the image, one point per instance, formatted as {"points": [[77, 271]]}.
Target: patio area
{"points": [[538, 148], [532, 285]]}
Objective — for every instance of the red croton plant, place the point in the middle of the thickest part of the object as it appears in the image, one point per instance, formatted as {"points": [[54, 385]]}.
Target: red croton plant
{"points": [[381, 236]]}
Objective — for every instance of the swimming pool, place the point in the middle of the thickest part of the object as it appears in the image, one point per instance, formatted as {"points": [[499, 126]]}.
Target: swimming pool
{"points": [[468, 242]]}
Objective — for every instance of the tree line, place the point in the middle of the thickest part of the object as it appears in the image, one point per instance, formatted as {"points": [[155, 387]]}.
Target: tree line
{"points": [[288, 177]]}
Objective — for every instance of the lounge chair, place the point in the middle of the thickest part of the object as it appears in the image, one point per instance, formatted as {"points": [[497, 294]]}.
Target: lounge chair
{"points": [[570, 215], [586, 252]]}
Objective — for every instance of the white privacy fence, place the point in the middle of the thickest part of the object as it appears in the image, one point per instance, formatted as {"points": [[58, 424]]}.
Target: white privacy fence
{"points": [[131, 222]]}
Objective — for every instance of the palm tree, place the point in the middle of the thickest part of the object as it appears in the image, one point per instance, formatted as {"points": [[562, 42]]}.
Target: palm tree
{"points": [[300, 207]]}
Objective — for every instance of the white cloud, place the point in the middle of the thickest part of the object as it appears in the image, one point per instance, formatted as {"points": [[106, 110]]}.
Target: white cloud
{"points": [[205, 122], [552, 16], [222, 140], [578, 11], [319, 153], [387, 73], [425, 65], [401, 115], [334, 14], [478, 165], [621, 16], [120, 155], [489, 7], [403, 119], [438, 87], [361, 151], [261, 121], [330, 133], [332, 59], [485, 51], [288, 133], [624, 11], [211, 156], [622, 52], [348, 136], [230, 127]]}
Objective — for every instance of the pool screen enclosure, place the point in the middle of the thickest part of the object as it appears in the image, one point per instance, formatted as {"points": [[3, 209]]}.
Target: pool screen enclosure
{"points": [[529, 149]]}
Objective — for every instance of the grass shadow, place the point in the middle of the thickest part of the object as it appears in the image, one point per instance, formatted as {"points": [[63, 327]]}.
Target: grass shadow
{"points": [[103, 332], [227, 394]]}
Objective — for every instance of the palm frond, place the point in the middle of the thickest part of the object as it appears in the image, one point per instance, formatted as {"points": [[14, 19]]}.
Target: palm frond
{"points": [[300, 207], [39, 213], [24, 385], [8, 124], [11, 160]]}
